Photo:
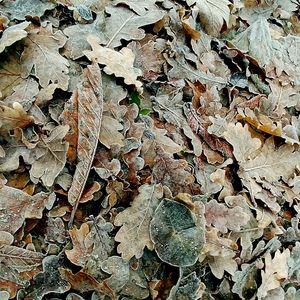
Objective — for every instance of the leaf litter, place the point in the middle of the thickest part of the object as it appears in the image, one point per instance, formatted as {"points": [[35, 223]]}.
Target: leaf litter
{"points": [[149, 149]]}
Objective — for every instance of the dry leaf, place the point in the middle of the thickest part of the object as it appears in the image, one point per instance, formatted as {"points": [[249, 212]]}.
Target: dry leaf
{"points": [[90, 107], [41, 53], [16, 206], [119, 63], [276, 270], [135, 221], [212, 13], [13, 34]]}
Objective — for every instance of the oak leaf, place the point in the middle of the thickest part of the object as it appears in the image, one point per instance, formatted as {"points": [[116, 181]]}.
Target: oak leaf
{"points": [[135, 221], [16, 206], [82, 246], [123, 24], [51, 154], [42, 53], [276, 270], [119, 63], [224, 218]]}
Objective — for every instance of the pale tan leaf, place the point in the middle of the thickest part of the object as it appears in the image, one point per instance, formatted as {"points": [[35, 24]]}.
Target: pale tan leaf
{"points": [[90, 108], [276, 270], [110, 132], [244, 146], [135, 221], [82, 245], [224, 218], [125, 24], [13, 34], [42, 53], [119, 63]]}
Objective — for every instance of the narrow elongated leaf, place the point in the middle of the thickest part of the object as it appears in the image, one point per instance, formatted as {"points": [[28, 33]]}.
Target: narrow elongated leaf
{"points": [[90, 107]]}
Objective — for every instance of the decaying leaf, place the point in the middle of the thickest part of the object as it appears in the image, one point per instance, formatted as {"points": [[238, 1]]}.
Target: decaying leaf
{"points": [[90, 106], [135, 221], [177, 240], [119, 63]]}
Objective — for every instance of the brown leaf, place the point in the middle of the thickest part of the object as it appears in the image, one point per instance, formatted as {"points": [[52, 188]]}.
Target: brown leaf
{"points": [[13, 117], [173, 173], [19, 258], [16, 206], [90, 107], [82, 246]]}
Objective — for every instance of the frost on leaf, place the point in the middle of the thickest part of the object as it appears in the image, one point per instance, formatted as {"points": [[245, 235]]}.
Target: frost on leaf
{"points": [[89, 111], [135, 221], [41, 54], [212, 13], [275, 271], [119, 63], [16, 206], [51, 154], [125, 24], [13, 34], [224, 218], [177, 240]]}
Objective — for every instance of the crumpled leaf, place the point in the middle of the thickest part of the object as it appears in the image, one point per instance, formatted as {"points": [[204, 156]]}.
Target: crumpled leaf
{"points": [[141, 7], [177, 240], [90, 107], [119, 63], [19, 9], [13, 34], [125, 24], [276, 270], [51, 154], [134, 234], [224, 218], [173, 173], [41, 53], [212, 13], [16, 206]]}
